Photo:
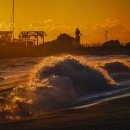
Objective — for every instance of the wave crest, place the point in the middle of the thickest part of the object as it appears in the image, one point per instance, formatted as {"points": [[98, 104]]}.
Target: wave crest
{"points": [[55, 83]]}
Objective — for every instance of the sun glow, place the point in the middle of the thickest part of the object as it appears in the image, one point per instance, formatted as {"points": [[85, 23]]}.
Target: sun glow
{"points": [[56, 16]]}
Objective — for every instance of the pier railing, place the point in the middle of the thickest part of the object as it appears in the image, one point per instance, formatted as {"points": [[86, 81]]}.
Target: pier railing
{"points": [[94, 45]]}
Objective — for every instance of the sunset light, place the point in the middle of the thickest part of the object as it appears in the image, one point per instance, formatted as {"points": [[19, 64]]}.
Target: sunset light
{"points": [[93, 17], [64, 65]]}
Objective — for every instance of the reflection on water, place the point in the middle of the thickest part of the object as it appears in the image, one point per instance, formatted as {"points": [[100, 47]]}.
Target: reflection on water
{"points": [[15, 70]]}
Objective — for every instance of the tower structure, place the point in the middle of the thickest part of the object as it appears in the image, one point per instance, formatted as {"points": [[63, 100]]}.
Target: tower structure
{"points": [[13, 19], [106, 36]]}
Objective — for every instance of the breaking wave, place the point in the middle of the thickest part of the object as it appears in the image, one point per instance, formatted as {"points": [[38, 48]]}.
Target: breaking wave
{"points": [[116, 67], [119, 70], [55, 83]]}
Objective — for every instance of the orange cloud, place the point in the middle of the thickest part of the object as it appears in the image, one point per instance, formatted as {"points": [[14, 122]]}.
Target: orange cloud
{"points": [[91, 33]]}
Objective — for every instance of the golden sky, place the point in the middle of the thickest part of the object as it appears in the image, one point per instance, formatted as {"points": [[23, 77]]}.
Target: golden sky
{"points": [[93, 17]]}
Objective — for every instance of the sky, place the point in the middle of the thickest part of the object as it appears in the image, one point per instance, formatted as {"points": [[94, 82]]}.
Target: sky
{"points": [[92, 17]]}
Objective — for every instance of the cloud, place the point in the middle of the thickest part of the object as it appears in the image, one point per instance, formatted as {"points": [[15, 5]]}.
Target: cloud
{"points": [[91, 33], [116, 29], [51, 27], [5, 26], [110, 24], [48, 21]]}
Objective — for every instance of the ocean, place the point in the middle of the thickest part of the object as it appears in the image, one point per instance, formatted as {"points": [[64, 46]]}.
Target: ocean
{"points": [[32, 86]]}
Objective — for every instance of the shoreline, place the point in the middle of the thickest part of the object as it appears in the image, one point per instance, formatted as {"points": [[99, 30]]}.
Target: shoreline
{"points": [[110, 114], [99, 114]]}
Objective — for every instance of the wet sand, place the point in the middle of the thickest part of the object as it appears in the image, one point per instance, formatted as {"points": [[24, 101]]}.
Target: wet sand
{"points": [[113, 114]]}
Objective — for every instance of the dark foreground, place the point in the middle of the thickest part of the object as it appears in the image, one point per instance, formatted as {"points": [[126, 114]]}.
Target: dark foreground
{"points": [[109, 115]]}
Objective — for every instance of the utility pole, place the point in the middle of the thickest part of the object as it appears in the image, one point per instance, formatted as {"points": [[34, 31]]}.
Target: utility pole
{"points": [[13, 19], [106, 36]]}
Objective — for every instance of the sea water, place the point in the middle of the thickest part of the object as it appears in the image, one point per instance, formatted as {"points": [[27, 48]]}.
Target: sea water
{"points": [[31, 86]]}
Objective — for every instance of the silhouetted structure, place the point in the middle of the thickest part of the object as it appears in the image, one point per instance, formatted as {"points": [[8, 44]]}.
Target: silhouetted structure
{"points": [[95, 45], [65, 39], [27, 35], [106, 36], [5, 36], [77, 36], [112, 44], [13, 19], [63, 42], [128, 45]]}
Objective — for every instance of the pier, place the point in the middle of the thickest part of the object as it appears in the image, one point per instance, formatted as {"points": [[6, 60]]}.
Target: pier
{"points": [[27, 35]]}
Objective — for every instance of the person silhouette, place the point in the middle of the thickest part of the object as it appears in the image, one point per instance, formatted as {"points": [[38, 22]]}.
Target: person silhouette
{"points": [[77, 36]]}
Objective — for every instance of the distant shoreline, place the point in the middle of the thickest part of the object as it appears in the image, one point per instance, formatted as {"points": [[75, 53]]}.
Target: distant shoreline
{"points": [[19, 52]]}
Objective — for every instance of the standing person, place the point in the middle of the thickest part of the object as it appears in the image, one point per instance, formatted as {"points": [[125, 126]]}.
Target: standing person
{"points": [[77, 36]]}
